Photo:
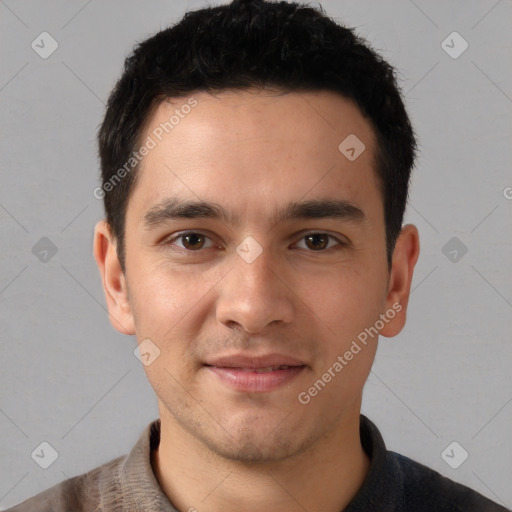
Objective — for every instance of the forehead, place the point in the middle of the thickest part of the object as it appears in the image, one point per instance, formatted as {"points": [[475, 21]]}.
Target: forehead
{"points": [[251, 148]]}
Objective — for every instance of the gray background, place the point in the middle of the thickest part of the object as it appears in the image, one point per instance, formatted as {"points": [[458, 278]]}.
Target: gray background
{"points": [[69, 379]]}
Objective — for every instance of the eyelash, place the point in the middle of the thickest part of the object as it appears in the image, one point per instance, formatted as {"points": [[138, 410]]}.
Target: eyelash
{"points": [[177, 236]]}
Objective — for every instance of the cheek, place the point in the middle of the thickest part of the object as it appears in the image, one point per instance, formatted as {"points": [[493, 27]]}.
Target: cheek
{"points": [[347, 306], [160, 298], [346, 301], [171, 302], [168, 311]]}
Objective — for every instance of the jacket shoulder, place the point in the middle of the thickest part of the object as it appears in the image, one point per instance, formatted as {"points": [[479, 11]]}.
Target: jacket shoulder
{"points": [[425, 489], [76, 494]]}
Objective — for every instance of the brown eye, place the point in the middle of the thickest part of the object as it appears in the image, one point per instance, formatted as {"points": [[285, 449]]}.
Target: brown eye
{"points": [[317, 241], [190, 241], [193, 241]]}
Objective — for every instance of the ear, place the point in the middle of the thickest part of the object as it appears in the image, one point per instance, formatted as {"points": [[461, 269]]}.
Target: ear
{"points": [[405, 256], [113, 279]]}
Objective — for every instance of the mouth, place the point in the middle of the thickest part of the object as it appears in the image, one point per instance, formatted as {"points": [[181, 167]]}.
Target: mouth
{"points": [[255, 379]]}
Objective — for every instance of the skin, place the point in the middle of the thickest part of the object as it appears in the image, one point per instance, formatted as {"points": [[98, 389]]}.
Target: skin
{"points": [[252, 152]]}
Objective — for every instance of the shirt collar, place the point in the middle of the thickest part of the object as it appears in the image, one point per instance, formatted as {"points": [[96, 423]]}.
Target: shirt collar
{"points": [[382, 488]]}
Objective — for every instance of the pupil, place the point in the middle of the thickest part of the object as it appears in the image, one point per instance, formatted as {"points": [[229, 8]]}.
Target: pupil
{"points": [[191, 241], [315, 238]]}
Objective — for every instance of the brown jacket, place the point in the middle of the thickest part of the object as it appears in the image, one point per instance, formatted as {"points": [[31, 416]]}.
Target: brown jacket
{"points": [[121, 485]]}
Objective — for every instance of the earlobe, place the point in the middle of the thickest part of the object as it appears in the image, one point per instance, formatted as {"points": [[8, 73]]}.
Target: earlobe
{"points": [[405, 256], [113, 279]]}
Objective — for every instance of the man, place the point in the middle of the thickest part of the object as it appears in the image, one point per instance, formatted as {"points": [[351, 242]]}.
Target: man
{"points": [[255, 161]]}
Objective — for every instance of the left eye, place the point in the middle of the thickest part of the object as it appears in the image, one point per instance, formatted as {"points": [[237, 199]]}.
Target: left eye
{"points": [[319, 241]]}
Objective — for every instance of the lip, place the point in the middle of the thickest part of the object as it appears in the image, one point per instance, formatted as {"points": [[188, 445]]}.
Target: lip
{"points": [[240, 371], [253, 361]]}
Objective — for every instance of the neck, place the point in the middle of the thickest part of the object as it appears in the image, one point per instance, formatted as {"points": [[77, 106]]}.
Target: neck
{"points": [[324, 477]]}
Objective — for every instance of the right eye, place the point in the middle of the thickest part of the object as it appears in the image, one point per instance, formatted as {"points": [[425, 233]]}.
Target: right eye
{"points": [[190, 240]]}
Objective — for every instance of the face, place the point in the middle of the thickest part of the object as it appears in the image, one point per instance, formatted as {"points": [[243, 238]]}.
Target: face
{"points": [[258, 291]]}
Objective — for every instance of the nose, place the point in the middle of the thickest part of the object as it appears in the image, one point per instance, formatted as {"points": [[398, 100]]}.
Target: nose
{"points": [[254, 295]]}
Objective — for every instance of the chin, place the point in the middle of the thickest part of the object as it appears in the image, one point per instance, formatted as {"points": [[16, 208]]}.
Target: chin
{"points": [[257, 445], [251, 454]]}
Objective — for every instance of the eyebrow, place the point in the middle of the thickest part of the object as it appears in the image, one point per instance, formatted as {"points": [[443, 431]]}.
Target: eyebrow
{"points": [[174, 208]]}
